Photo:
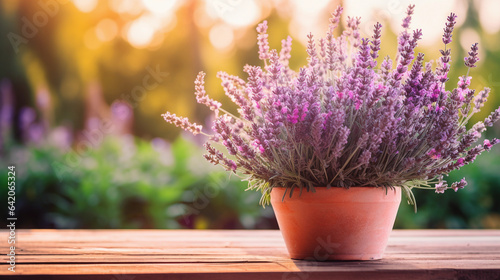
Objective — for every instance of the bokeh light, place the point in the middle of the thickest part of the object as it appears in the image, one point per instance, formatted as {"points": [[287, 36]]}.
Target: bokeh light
{"points": [[106, 30], [430, 20], [488, 15], [129, 7], [160, 7], [221, 36], [85, 6], [140, 32], [234, 13]]}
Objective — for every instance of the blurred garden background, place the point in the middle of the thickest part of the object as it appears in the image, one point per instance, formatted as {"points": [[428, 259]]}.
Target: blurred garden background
{"points": [[83, 84]]}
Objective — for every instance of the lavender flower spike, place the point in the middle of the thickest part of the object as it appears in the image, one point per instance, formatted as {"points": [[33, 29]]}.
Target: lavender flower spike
{"points": [[481, 99], [459, 185], [286, 48], [471, 60], [375, 46], [492, 118], [182, 123], [262, 41], [407, 19], [450, 24], [201, 94], [334, 21]]}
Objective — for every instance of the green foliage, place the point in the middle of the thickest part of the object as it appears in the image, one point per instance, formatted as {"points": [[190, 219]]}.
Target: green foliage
{"points": [[124, 183], [476, 206]]}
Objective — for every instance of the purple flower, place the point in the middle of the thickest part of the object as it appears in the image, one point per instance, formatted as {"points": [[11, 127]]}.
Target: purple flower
{"points": [[481, 99], [464, 82], [440, 187], [471, 60], [459, 185], [492, 118], [487, 144], [201, 95], [343, 121], [335, 19], [294, 117], [450, 24], [286, 48], [262, 41], [434, 154], [375, 47], [407, 19], [7, 107], [182, 123]]}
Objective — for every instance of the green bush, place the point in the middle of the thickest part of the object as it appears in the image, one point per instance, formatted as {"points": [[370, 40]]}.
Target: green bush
{"points": [[476, 206], [126, 183]]}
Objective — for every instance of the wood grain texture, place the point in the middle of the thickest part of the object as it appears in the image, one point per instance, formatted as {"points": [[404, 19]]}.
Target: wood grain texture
{"points": [[240, 254]]}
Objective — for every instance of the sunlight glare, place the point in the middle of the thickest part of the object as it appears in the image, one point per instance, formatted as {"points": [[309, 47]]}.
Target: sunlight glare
{"points": [[140, 32], [431, 21], [488, 15], [235, 13], [85, 6], [305, 19], [90, 40], [106, 30], [131, 7], [159, 7], [221, 36]]}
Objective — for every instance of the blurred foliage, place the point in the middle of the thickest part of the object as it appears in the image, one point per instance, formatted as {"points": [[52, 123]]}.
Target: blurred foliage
{"points": [[475, 206], [128, 183]]}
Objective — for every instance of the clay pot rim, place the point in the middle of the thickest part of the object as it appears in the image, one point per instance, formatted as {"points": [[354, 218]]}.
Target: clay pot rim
{"points": [[358, 194]]}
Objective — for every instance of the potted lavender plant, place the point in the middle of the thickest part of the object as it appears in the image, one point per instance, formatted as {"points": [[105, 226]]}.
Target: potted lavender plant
{"points": [[333, 145]]}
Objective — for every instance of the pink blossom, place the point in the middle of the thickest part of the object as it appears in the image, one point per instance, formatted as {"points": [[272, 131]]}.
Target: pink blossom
{"points": [[358, 104], [487, 144], [440, 187], [295, 117], [433, 154]]}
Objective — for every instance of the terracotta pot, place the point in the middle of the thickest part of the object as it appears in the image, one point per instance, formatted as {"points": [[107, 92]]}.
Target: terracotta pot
{"points": [[336, 223]]}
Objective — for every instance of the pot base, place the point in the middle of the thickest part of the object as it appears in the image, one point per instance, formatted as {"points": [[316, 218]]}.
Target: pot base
{"points": [[336, 223], [364, 257]]}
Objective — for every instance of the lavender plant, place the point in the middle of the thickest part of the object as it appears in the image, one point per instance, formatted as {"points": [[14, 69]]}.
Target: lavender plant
{"points": [[343, 120]]}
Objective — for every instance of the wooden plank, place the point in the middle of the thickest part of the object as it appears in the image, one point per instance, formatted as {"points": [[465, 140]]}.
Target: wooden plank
{"points": [[240, 254], [283, 269], [245, 275], [202, 253], [225, 258], [264, 266]]}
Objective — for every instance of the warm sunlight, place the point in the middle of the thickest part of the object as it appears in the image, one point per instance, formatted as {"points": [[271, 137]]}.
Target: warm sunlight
{"points": [[235, 13], [85, 6], [106, 30], [221, 36], [141, 31], [160, 7]]}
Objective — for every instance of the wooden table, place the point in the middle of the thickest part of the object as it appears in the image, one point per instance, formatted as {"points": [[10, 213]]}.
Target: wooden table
{"points": [[240, 254]]}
